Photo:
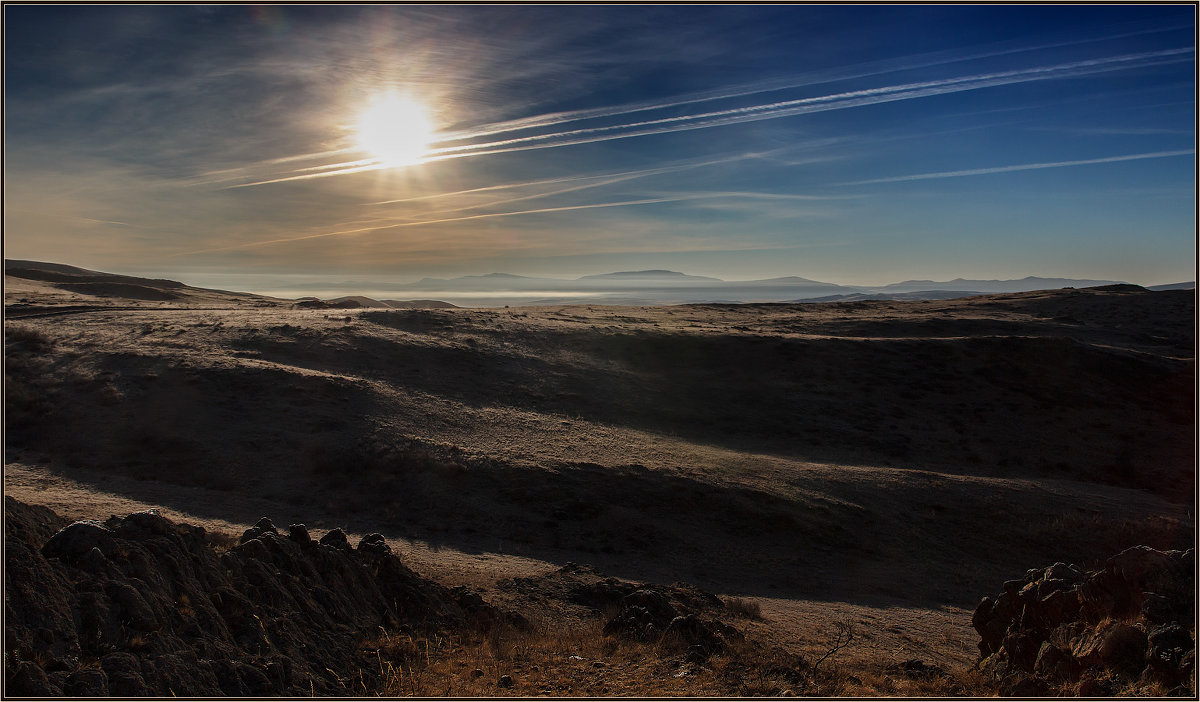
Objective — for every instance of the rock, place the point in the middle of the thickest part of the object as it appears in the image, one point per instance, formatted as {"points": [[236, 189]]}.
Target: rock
{"points": [[134, 611], [1157, 609], [86, 682], [642, 614], [120, 662], [1054, 663], [693, 631], [505, 681], [1024, 686], [93, 561], [250, 534], [144, 523], [255, 680], [127, 685], [1091, 686], [1058, 621], [374, 543], [163, 614], [337, 539], [653, 601], [1124, 648], [252, 547], [299, 534], [601, 594], [266, 525], [1058, 606], [1113, 645], [1168, 645], [1013, 587], [29, 680], [77, 539]]}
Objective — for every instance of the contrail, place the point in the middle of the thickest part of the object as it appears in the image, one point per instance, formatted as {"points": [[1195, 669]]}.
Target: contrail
{"points": [[1022, 167], [804, 80], [903, 91], [775, 110], [814, 78]]}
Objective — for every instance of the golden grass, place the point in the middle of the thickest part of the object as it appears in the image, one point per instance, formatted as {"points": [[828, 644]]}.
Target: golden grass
{"points": [[554, 660]]}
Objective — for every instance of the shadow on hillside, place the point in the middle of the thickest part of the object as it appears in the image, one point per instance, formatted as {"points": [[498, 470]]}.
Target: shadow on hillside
{"points": [[972, 405], [313, 434], [925, 541]]}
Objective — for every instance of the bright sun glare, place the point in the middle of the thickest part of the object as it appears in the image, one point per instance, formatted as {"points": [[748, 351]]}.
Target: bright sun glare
{"points": [[396, 130]]}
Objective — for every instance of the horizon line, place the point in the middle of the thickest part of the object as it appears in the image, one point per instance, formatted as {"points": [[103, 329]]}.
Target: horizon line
{"points": [[142, 272]]}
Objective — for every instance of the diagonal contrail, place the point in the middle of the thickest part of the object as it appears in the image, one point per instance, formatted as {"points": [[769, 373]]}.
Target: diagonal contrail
{"points": [[857, 71], [1022, 167], [775, 110], [800, 81], [886, 93]]}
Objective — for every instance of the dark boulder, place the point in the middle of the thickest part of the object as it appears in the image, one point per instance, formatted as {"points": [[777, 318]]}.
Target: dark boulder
{"points": [[299, 534], [73, 542], [374, 543], [336, 539]]}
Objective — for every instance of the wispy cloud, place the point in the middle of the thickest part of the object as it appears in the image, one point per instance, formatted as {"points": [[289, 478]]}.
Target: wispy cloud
{"points": [[1113, 131], [659, 199], [1022, 167], [589, 182]]}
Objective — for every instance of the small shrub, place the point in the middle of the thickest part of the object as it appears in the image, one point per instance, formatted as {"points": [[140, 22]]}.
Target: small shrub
{"points": [[27, 337], [744, 608]]}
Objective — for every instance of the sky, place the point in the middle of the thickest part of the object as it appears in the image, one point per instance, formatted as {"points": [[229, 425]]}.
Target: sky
{"points": [[272, 147]]}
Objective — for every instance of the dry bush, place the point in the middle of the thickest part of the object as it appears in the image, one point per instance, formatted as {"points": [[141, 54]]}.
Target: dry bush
{"points": [[27, 337], [744, 608]]}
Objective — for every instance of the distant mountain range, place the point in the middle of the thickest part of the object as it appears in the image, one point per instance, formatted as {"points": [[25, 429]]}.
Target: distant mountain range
{"points": [[648, 287], [652, 287], [994, 286]]}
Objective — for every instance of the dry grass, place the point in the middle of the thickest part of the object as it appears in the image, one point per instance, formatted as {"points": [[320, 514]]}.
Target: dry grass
{"points": [[28, 337], [578, 660], [741, 607]]}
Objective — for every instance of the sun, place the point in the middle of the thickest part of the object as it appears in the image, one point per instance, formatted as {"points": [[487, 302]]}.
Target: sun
{"points": [[396, 130]]}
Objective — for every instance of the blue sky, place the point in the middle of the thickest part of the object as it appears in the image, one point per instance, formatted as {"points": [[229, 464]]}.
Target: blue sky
{"points": [[850, 144]]}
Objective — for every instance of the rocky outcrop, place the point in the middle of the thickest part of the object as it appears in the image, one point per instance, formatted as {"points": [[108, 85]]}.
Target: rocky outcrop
{"points": [[1060, 629], [680, 615], [139, 605], [648, 615]]}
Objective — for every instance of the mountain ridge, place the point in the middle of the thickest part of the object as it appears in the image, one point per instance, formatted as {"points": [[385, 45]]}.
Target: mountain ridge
{"points": [[644, 287]]}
